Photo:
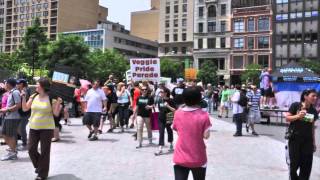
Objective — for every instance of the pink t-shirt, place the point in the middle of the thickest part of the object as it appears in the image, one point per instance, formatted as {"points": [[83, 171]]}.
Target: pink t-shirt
{"points": [[190, 124], [4, 100]]}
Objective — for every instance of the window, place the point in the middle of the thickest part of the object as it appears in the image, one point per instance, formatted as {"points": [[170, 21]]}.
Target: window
{"points": [[238, 43], [168, 10], [238, 62], [176, 8], [175, 37], [212, 12], [263, 42], [167, 37], [184, 50], [314, 13], [175, 50], [184, 36], [200, 26], [211, 26], [200, 11], [307, 14], [221, 64], [175, 23], [263, 24], [282, 1], [166, 50], [250, 42], [238, 25], [251, 24], [223, 26], [184, 22], [45, 5], [185, 8], [211, 43], [250, 59], [45, 13], [167, 23], [223, 42], [281, 17], [200, 43], [263, 60], [223, 9]]}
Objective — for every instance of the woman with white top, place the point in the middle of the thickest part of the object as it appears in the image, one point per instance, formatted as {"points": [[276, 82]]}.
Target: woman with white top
{"points": [[124, 100]]}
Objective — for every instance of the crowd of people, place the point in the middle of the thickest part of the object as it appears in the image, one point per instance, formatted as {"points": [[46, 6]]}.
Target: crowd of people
{"points": [[185, 109]]}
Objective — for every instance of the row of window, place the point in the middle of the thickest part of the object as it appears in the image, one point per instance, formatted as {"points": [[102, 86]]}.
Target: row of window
{"points": [[175, 37], [176, 8], [134, 44], [263, 42], [296, 15], [212, 11], [175, 50], [263, 24], [287, 1], [33, 15], [297, 38], [212, 27], [239, 61], [211, 43], [37, 7], [17, 2], [176, 23]]}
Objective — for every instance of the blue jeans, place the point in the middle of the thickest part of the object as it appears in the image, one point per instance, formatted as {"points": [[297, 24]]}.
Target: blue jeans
{"points": [[209, 105], [237, 118]]}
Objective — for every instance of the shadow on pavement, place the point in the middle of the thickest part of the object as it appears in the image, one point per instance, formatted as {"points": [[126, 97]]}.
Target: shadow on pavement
{"points": [[108, 140], [22, 159], [66, 141], [67, 136], [64, 177]]}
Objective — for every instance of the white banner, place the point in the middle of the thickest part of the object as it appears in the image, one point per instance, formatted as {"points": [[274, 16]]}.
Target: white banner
{"points": [[145, 69]]}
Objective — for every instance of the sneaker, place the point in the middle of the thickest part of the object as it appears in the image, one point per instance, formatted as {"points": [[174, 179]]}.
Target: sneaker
{"points": [[110, 130], [247, 128], [90, 134], [100, 131], [94, 138], [22, 148], [255, 134], [219, 116], [237, 135], [158, 153], [131, 126], [10, 156]]}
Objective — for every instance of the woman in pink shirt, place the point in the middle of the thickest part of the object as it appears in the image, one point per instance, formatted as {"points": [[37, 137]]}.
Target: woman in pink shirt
{"points": [[193, 126]]}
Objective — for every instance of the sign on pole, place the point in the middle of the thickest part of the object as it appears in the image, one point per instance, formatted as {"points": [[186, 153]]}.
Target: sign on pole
{"points": [[145, 69]]}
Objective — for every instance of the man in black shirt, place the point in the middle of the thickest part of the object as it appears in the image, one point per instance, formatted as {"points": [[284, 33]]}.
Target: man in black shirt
{"points": [[177, 92]]}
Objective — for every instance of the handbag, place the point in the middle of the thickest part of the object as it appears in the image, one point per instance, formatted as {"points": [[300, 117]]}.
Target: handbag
{"points": [[154, 120], [169, 118]]}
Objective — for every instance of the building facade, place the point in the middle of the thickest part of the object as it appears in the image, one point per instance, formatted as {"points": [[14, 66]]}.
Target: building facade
{"points": [[251, 41], [296, 31], [176, 29], [55, 15], [212, 33], [2, 24], [111, 35], [145, 24]]}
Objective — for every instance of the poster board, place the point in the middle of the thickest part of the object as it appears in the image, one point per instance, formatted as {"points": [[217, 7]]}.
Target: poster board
{"points": [[143, 69]]}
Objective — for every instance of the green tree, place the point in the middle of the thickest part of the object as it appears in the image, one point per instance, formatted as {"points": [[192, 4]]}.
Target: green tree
{"points": [[313, 65], [68, 50], [171, 68], [208, 73], [251, 74], [108, 62], [34, 38]]}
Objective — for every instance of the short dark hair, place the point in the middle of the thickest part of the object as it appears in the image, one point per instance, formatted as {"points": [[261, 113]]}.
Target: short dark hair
{"points": [[12, 82], [191, 96], [45, 84], [238, 87], [167, 91]]}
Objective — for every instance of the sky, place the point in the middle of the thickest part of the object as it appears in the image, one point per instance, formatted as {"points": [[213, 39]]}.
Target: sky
{"points": [[120, 10]]}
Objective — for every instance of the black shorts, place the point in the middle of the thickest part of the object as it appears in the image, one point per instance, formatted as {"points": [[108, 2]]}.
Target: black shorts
{"points": [[269, 92], [92, 118], [10, 127]]}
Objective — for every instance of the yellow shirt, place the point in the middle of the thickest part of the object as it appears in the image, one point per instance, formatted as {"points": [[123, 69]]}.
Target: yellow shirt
{"points": [[41, 115]]}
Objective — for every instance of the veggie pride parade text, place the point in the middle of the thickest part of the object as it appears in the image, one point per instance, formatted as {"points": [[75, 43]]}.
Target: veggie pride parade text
{"points": [[143, 68]]}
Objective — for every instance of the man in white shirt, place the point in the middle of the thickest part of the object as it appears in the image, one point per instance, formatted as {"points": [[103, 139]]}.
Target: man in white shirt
{"points": [[237, 111], [95, 99]]}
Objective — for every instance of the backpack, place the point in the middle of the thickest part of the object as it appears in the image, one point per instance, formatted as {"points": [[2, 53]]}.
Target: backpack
{"points": [[20, 111], [243, 101]]}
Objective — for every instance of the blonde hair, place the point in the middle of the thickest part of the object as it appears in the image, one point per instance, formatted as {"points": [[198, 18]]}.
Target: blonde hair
{"points": [[120, 85]]}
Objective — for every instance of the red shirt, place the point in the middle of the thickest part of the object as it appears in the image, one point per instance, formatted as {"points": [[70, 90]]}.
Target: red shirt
{"points": [[190, 124], [136, 95]]}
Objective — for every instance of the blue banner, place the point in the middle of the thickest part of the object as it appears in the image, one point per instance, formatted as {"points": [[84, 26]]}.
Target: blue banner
{"points": [[295, 86]]}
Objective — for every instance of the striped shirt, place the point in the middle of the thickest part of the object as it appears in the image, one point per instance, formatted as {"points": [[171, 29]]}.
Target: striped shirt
{"points": [[254, 99], [41, 115]]}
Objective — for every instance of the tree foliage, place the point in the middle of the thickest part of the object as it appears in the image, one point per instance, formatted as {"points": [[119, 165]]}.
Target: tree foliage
{"points": [[171, 68], [208, 73], [69, 51], [251, 74], [108, 62], [313, 65], [34, 38]]}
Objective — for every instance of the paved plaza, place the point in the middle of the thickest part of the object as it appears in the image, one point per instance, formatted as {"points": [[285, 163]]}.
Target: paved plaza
{"points": [[114, 157]]}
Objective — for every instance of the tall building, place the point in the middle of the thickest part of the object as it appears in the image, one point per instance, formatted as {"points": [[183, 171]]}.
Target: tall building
{"points": [[2, 10], [212, 33], [145, 24], [55, 15], [296, 29], [176, 28], [110, 35], [251, 42]]}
